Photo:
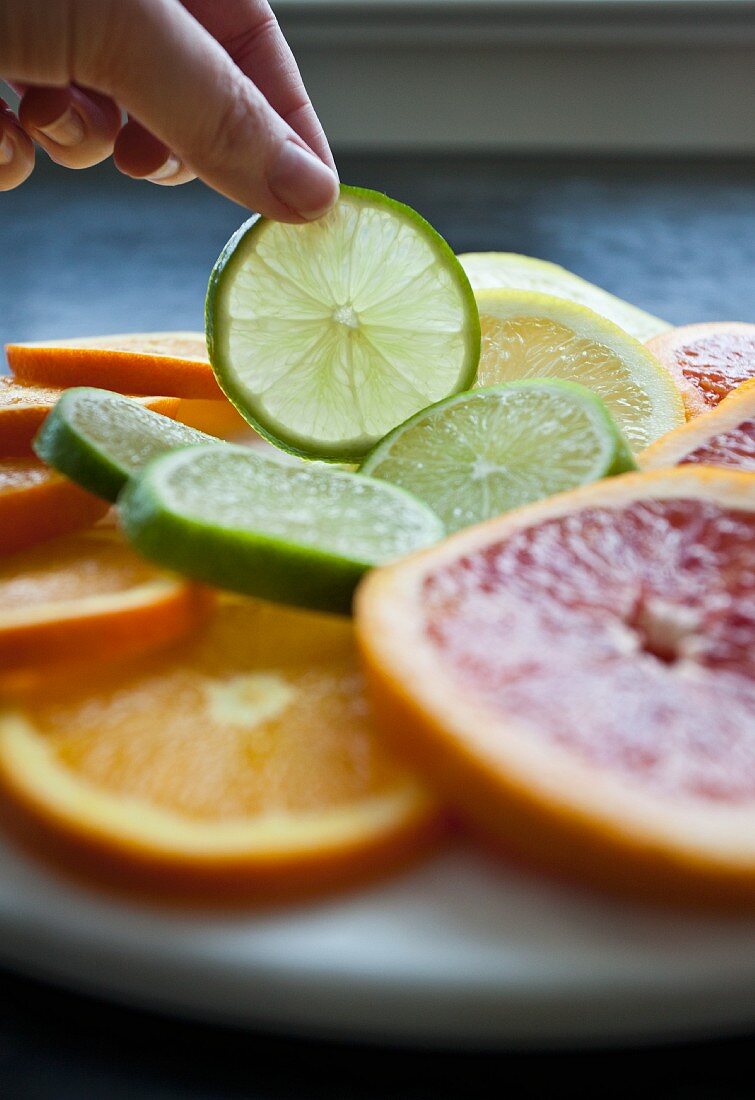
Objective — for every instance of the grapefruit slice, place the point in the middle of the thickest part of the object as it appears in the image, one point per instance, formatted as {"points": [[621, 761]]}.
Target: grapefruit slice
{"points": [[36, 503], [724, 436], [173, 363], [24, 408], [713, 359], [88, 595], [244, 759], [579, 677]]}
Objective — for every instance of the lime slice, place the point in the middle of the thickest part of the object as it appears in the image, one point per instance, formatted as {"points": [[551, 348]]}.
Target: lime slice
{"points": [[327, 335], [476, 455], [530, 335], [100, 439], [297, 535], [509, 271]]}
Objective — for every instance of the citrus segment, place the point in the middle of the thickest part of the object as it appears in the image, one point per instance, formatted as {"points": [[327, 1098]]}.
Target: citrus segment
{"points": [[476, 455], [580, 677], [216, 418], [173, 363], [88, 595], [37, 503], [244, 757], [100, 439], [24, 408], [509, 271], [327, 335], [713, 359], [530, 335], [297, 534], [724, 436]]}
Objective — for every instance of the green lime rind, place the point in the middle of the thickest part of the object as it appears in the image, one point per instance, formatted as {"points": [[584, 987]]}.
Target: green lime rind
{"points": [[100, 439], [292, 437], [294, 535], [479, 454]]}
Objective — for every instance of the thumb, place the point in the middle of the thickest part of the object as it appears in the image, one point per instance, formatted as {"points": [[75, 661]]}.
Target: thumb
{"points": [[168, 72]]}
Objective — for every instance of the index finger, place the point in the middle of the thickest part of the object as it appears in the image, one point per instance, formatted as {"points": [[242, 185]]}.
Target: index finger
{"points": [[249, 32]]}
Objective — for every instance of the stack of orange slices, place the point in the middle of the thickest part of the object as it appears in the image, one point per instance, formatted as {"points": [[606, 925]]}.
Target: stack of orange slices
{"points": [[151, 734]]}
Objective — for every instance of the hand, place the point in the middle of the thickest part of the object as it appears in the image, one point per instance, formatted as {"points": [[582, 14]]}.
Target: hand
{"points": [[210, 86]]}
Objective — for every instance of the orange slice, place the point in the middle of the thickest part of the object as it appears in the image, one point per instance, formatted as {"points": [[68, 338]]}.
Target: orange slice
{"points": [[579, 677], [88, 595], [243, 759], [708, 360], [218, 418], [24, 408], [724, 436], [173, 363], [36, 503]]}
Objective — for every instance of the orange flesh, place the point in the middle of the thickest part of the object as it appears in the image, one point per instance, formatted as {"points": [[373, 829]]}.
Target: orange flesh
{"points": [[73, 567], [244, 718], [626, 636], [718, 363], [36, 503], [734, 448]]}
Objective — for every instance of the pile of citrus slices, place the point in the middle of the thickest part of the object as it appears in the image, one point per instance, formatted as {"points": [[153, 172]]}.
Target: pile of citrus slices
{"points": [[537, 500]]}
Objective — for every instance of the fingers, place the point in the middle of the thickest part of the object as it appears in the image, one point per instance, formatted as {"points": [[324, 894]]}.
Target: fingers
{"points": [[139, 154], [214, 119], [250, 33], [16, 151], [76, 128]]}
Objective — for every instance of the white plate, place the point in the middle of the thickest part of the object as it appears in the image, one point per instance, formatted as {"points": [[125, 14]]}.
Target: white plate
{"points": [[457, 951]]}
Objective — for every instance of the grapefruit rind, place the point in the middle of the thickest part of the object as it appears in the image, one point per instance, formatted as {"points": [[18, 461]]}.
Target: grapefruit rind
{"points": [[536, 797], [666, 346]]}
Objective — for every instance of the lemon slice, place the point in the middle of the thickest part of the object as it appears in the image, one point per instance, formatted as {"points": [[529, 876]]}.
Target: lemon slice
{"points": [[531, 335], [509, 271]]}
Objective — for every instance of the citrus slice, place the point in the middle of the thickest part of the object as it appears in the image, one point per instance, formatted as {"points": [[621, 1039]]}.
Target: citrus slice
{"points": [[579, 677], [37, 504], [712, 359], [295, 534], [88, 595], [24, 408], [100, 439], [476, 455], [530, 335], [327, 335], [217, 418], [173, 363], [242, 759], [724, 436], [509, 271]]}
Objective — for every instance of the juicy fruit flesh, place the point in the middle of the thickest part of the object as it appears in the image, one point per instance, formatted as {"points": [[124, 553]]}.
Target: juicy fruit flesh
{"points": [[536, 347], [15, 396], [734, 448], [625, 636], [336, 322], [69, 568], [718, 363], [490, 452], [127, 432], [320, 508], [263, 712], [21, 473]]}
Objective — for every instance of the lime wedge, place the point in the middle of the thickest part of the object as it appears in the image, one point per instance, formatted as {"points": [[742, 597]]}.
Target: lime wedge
{"points": [[100, 439], [327, 335], [531, 335], [298, 535], [474, 456], [509, 271]]}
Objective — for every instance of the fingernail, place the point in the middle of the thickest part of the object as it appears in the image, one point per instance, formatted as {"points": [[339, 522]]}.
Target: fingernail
{"points": [[167, 170], [66, 130], [7, 152], [302, 182]]}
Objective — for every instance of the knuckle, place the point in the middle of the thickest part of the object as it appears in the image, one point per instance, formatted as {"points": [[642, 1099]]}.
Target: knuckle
{"points": [[242, 124]]}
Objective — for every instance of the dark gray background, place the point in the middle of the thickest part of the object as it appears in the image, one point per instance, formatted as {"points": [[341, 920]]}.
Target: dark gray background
{"points": [[92, 252]]}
